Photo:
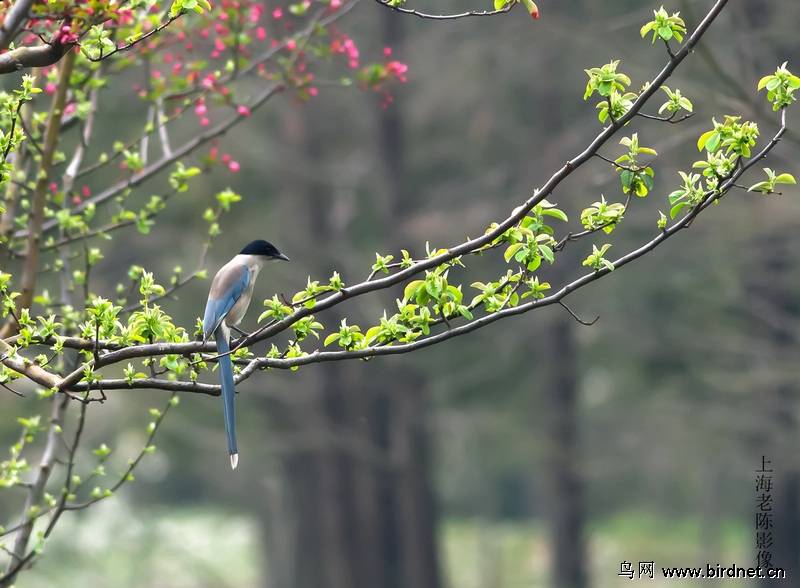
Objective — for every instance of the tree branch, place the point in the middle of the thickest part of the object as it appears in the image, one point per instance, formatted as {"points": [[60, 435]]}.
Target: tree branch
{"points": [[31, 268], [28, 57], [503, 10], [155, 349], [162, 163], [36, 491], [16, 16]]}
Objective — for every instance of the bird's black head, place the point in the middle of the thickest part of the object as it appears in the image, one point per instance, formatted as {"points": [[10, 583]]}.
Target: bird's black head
{"points": [[263, 248]]}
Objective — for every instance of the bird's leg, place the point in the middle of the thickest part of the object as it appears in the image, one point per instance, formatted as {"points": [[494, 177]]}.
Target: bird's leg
{"points": [[241, 332]]}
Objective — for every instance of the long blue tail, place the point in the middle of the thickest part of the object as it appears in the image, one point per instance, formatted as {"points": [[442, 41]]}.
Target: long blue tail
{"points": [[226, 379]]}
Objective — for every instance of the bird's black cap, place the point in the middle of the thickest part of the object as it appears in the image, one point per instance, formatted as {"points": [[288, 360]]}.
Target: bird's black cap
{"points": [[264, 248]]}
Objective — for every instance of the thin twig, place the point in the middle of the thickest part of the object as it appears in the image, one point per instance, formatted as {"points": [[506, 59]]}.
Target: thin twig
{"points": [[503, 10]]}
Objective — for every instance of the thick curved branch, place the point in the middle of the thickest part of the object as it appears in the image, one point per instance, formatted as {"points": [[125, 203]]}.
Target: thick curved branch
{"points": [[520, 212], [15, 19], [28, 57], [28, 369], [128, 353]]}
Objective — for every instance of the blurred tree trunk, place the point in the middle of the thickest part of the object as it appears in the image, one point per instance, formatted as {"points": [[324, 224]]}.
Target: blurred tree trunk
{"points": [[786, 533], [358, 484], [357, 466], [563, 470], [772, 298]]}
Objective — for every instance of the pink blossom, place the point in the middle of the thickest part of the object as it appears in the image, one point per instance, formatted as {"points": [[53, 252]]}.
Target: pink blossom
{"points": [[261, 34], [50, 88], [233, 166], [387, 51], [353, 64], [291, 45], [76, 200], [336, 4], [312, 91], [86, 192], [226, 158], [219, 45], [243, 110], [277, 13], [200, 110], [204, 122], [397, 69]]}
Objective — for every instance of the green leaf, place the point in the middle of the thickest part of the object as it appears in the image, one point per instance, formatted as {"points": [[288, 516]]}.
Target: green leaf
{"points": [[559, 214], [412, 288], [512, 250], [673, 212], [704, 138], [627, 178]]}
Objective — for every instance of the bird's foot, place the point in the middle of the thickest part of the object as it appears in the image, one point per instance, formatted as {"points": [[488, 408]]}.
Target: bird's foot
{"points": [[241, 332]]}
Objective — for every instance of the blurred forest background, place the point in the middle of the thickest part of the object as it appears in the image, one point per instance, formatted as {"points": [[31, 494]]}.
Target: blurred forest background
{"points": [[536, 452]]}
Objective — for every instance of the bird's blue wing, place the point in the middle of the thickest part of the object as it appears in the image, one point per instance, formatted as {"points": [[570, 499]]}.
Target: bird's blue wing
{"points": [[227, 287]]}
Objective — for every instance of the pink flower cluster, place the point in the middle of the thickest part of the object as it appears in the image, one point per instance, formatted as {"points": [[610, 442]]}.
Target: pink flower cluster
{"points": [[226, 159], [397, 70], [65, 35], [346, 46], [200, 110]]}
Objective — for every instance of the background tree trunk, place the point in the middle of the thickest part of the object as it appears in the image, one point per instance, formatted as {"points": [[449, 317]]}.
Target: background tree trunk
{"points": [[563, 469]]}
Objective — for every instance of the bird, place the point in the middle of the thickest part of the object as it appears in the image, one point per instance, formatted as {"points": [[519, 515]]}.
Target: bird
{"points": [[228, 299]]}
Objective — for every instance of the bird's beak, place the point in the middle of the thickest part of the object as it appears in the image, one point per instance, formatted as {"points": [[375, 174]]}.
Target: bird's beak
{"points": [[282, 256]]}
